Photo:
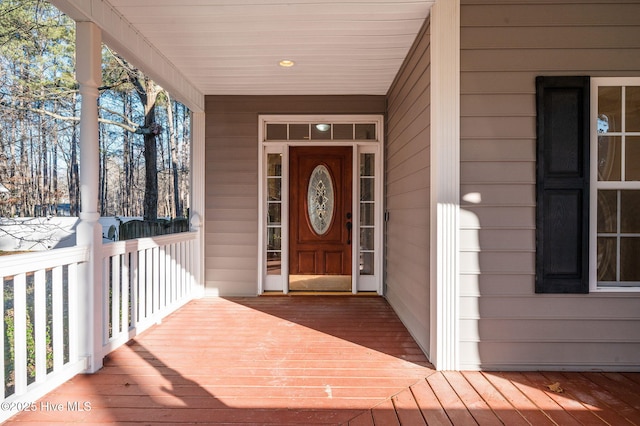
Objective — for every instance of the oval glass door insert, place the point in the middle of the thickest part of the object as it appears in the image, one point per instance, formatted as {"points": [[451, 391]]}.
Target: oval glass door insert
{"points": [[320, 199]]}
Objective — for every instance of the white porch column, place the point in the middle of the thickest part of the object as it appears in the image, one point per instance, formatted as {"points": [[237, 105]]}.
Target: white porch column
{"points": [[445, 183], [198, 197], [89, 232]]}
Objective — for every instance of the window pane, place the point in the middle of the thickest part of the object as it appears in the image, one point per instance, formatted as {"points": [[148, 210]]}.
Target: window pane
{"points": [[632, 109], [366, 131], [630, 211], [609, 154], [274, 263], [366, 239], [274, 214], [274, 236], [298, 131], [629, 265], [276, 132], [366, 214], [273, 189], [366, 263], [320, 131], [606, 259], [343, 131], [366, 189], [274, 165], [367, 165], [607, 211], [610, 109], [632, 158]]}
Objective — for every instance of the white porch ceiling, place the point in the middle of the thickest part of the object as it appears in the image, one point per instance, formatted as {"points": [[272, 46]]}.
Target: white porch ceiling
{"points": [[232, 47]]}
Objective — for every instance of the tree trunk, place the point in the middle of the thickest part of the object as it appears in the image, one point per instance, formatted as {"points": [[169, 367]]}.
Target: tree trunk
{"points": [[173, 156], [148, 94]]}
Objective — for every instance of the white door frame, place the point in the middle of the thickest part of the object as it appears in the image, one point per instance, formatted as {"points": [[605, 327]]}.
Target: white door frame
{"points": [[280, 282]]}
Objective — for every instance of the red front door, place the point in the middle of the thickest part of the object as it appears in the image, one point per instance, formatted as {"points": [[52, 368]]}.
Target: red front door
{"points": [[320, 200]]}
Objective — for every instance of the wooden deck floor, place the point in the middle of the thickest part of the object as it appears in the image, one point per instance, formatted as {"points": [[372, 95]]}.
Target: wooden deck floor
{"points": [[316, 360]]}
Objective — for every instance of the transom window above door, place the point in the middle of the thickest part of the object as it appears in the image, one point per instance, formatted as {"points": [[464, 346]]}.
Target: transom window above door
{"points": [[321, 131]]}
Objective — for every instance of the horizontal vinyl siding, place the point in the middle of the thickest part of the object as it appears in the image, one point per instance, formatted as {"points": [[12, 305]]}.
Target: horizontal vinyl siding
{"points": [[503, 324], [407, 191], [231, 158]]}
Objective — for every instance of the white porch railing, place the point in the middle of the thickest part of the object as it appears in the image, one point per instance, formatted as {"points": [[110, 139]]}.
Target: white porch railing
{"points": [[143, 280], [38, 345]]}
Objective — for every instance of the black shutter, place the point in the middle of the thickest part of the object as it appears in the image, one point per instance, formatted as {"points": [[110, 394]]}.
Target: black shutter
{"points": [[562, 185]]}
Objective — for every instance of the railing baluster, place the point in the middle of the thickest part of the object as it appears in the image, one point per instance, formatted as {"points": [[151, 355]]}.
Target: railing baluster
{"points": [[115, 295], [142, 290], [40, 323], [149, 282], [58, 319], [20, 331], [162, 278], [156, 280], [106, 270], [134, 288], [126, 283], [72, 288]]}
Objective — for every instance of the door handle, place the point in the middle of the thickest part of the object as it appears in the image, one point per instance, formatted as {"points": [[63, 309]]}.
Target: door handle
{"points": [[349, 226]]}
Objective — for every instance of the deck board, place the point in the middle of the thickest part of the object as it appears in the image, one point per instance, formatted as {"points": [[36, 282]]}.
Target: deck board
{"points": [[317, 360]]}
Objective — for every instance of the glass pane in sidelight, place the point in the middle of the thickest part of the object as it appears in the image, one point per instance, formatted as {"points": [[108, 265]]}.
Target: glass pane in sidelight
{"points": [[274, 215], [367, 214], [609, 158], [367, 165], [274, 263], [632, 108], [366, 239], [274, 191], [274, 165], [366, 263], [367, 189], [609, 109], [274, 238]]}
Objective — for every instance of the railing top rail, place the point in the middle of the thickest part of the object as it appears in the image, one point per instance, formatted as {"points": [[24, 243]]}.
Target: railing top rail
{"points": [[14, 264], [130, 246]]}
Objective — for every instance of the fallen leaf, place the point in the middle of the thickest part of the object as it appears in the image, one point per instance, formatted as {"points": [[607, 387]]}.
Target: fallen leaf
{"points": [[555, 387]]}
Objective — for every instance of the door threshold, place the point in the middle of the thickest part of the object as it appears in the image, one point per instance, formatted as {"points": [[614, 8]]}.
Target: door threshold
{"points": [[320, 293]]}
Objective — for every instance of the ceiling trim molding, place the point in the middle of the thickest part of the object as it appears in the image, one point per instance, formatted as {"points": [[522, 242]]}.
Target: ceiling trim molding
{"points": [[123, 37]]}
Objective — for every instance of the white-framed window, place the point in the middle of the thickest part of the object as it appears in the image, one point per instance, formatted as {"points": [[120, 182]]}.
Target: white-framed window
{"points": [[615, 184]]}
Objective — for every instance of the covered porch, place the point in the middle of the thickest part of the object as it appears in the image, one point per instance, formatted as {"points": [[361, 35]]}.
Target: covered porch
{"points": [[315, 360]]}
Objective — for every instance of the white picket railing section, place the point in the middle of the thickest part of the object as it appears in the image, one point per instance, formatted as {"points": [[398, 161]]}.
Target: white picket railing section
{"points": [[143, 281], [39, 339]]}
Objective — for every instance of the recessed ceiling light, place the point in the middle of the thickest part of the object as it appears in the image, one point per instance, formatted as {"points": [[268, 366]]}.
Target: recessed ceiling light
{"points": [[286, 63]]}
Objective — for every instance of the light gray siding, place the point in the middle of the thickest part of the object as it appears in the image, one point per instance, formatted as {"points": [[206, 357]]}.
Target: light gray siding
{"points": [[407, 189], [231, 242], [504, 324]]}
